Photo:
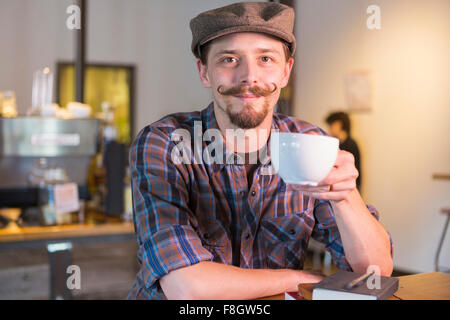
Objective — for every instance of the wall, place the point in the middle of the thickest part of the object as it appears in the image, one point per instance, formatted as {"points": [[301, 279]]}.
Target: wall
{"points": [[33, 35], [405, 138], [154, 35]]}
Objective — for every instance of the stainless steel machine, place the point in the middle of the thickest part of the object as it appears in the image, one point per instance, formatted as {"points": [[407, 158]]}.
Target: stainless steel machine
{"points": [[69, 144]]}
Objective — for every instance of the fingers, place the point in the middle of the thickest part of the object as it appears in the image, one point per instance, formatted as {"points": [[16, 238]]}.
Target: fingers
{"points": [[349, 172], [333, 195], [344, 170], [344, 156], [303, 188], [347, 185], [342, 177], [340, 191]]}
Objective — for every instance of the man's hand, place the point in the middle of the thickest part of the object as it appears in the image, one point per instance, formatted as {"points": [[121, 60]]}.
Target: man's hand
{"points": [[339, 183], [307, 276], [212, 280]]}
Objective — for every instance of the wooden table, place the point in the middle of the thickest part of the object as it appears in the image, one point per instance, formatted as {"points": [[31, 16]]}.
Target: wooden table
{"points": [[423, 286], [14, 237], [420, 286]]}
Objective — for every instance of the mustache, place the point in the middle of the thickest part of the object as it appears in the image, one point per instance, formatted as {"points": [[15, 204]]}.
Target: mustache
{"points": [[256, 90]]}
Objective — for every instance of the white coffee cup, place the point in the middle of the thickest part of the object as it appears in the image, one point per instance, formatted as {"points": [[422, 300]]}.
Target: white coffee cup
{"points": [[303, 159]]}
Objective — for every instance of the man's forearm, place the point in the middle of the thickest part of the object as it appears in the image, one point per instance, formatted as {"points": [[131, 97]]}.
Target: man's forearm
{"points": [[211, 280], [365, 240]]}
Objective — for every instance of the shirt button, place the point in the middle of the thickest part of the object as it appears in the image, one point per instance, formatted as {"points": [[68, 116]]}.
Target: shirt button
{"points": [[253, 193]]}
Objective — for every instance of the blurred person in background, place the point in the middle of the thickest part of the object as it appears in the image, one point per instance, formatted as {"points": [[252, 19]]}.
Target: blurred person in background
{"points": [[339, 127]]}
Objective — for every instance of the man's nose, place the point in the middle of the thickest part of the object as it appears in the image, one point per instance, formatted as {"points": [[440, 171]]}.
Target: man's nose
{"points": [[248, 73]]}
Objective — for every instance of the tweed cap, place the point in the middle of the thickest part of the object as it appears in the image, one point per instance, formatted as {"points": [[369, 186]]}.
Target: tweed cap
{"points": [[270, 18]]}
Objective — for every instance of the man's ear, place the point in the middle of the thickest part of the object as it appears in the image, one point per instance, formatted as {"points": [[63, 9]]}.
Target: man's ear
{"points": [[287, 72], [203, 73]]}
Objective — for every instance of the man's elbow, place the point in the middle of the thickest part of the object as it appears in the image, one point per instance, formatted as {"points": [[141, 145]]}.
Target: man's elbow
{"points": [[177, 291], [184, 292], [179, 295], [387, 268], [180, 285], [383, 268]]}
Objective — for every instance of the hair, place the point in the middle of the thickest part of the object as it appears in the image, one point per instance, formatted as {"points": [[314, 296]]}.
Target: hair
{"points": [[204, 50], [342, 117]]}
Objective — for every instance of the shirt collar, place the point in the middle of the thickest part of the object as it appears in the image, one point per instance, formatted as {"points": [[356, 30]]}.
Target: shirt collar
{"points": [[210, 122]]}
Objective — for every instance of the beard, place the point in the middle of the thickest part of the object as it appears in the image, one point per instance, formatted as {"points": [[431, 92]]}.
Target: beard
{"points": [[248, 117]]}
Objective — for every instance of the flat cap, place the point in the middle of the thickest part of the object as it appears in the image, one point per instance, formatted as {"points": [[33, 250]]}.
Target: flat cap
{"points": [[270, 18]]}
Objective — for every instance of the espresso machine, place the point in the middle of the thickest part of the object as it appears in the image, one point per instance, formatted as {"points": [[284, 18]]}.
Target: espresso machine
{"points": [[67, 143]]}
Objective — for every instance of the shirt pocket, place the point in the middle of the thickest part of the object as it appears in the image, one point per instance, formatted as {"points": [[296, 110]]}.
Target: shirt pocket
{"points": [[285, 239], [287, 201], [214, 238]]}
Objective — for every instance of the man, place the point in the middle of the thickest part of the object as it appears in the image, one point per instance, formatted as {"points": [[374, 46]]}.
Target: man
{"points": [[215, 230], [339, 127]]}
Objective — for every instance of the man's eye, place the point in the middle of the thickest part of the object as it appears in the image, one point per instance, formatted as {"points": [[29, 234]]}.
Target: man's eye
{"points": [[229, 60], [266, 59]]}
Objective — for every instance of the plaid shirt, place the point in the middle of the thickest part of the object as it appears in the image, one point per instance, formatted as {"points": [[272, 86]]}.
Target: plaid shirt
{"points": [[187, 213]]}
